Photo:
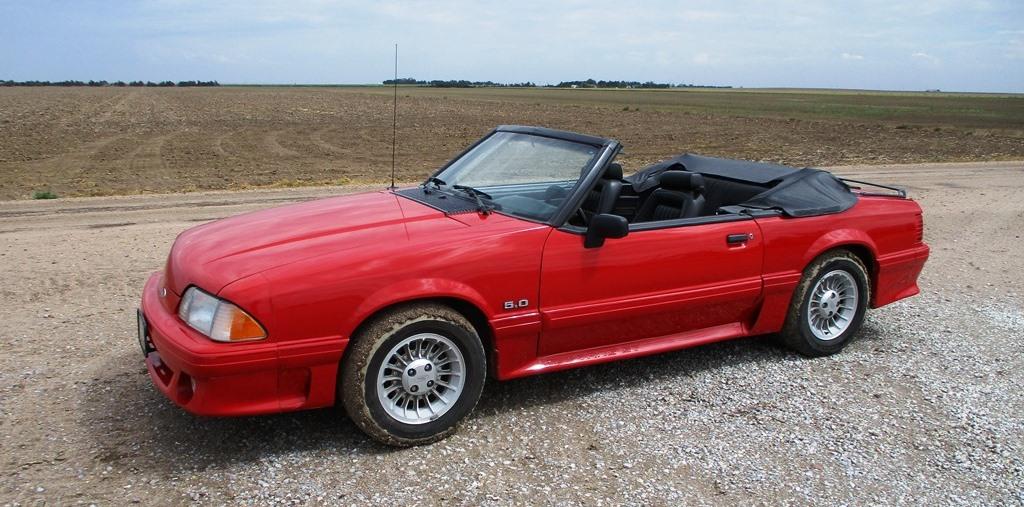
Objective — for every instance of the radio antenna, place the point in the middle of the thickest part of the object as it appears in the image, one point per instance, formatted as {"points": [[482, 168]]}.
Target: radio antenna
{"points": [[394, 122]]}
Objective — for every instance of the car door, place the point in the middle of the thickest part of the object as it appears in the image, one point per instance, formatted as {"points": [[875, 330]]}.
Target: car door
{"points": [[659, 280]]}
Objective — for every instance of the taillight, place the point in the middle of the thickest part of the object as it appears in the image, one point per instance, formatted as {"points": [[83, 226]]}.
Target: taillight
{"points": [[919, 228]]}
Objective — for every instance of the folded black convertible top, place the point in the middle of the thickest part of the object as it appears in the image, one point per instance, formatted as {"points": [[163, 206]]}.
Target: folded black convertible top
{"points": [[795, 192]]}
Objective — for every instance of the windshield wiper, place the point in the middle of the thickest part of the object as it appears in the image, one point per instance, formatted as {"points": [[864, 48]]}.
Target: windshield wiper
{"points": [[438, 183], [477, 194]]}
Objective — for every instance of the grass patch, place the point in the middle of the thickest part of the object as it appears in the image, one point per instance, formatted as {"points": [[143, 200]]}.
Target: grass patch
{"points": [[44, 194]]}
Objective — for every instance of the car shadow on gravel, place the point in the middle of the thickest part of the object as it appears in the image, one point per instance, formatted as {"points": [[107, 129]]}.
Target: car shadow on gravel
{"points": [[500, 397], [519, 394], [133, 427]]}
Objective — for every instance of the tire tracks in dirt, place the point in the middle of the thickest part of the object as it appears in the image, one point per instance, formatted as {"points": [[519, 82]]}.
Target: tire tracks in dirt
{"points": [[218, 143], [148, 155], [121, 104], [272, 145], [316, 137]]}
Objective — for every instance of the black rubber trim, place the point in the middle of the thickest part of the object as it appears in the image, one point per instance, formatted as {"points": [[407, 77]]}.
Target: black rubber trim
{"points": [[687, 222], [555, 134], [668, 224], [443, 202]]}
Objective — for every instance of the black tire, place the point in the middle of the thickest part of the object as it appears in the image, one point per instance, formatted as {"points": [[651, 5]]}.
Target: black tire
{"points": [[796, 333], [357, 381]]}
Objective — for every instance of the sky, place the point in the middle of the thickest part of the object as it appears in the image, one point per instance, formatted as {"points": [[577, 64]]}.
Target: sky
{"points": [[955, 45]]}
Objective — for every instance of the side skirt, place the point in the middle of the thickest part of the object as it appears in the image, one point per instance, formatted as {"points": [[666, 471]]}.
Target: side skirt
{"points": [[619, 351]]}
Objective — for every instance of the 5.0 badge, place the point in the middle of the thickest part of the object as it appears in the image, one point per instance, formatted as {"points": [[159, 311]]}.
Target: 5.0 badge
{"points": [[512, 305]]}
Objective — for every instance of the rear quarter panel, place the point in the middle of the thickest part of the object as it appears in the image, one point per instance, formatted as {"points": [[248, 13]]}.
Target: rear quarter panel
{"points": [[884, 228]]}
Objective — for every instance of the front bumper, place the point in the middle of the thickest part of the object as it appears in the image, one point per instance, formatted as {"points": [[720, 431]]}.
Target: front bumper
{"points": [[230, 379]]}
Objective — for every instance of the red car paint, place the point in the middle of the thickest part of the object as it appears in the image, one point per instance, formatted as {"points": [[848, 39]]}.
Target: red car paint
{"points": [[311, 273]]}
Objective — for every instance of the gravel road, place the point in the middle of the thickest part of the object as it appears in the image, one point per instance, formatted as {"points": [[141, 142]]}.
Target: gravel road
{"points": [[925, 407]]}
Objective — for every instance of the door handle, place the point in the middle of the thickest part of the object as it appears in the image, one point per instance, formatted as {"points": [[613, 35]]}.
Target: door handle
{"points": [[739, 239]]}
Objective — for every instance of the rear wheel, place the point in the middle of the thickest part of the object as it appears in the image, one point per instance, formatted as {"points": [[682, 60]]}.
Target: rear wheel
{"points": [[412, 374], [828, 305]]}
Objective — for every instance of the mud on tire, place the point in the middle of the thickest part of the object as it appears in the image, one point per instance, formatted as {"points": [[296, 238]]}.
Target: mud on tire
{"points": [[797, 333], [374, 344]]}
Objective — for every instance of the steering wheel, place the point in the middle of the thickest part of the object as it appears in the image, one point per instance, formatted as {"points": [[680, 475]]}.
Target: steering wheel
{"points": [[583, 216]]}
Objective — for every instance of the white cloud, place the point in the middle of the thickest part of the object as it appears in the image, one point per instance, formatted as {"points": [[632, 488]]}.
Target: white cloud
{"points": [[926, 57], [851, 56], [702, 58]]}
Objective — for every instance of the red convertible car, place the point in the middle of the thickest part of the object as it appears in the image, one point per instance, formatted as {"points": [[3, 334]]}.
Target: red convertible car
{"points": [[529, 252]]}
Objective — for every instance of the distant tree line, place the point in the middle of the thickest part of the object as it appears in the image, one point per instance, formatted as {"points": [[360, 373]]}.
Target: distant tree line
{"points": [[457, 83], [107, 83], [589, 83]]}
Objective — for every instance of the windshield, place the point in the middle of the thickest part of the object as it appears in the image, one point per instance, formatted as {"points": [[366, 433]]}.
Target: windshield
{"points": [[519, 174]]}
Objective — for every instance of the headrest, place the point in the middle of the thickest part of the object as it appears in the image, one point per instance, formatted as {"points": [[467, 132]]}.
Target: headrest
{"points": [[555, 192], [613, 172], [681, 180]]}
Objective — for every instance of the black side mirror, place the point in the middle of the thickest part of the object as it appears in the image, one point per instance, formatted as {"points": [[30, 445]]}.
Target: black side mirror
{"points": [[605, 226]]}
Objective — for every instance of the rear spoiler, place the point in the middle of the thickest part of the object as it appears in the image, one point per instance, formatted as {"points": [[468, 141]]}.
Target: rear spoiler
{"points": [[898, 192]]}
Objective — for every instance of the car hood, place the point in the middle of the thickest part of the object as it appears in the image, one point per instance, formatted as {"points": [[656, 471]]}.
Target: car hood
{"points": [[213, 255]]}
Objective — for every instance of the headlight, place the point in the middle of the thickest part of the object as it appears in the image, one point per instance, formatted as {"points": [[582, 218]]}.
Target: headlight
{"points": [[218, 319]]}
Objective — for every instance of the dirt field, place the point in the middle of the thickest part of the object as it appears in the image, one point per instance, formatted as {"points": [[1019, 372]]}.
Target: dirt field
{"points": [[925, 407], [114, 141]]}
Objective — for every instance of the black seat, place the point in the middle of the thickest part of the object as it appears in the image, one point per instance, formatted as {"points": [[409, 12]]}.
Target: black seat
{"points": [[680, 195], [605, 193]]}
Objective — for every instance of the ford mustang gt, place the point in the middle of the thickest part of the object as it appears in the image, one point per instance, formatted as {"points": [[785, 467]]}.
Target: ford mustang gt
{"points": [[529, 252]]}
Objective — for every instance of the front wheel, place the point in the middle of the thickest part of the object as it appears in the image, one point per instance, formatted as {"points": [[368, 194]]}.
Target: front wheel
{"points": [[412, 374], [828, 305]]}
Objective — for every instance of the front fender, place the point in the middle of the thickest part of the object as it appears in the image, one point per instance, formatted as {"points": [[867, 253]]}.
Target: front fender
{"points": [[414, 289]]}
